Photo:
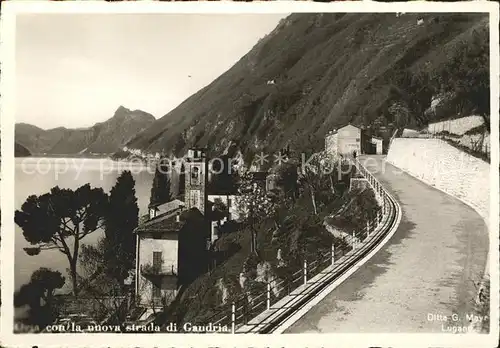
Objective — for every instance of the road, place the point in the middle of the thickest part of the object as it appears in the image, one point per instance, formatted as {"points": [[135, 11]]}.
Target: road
{"points": [[423, 274]]}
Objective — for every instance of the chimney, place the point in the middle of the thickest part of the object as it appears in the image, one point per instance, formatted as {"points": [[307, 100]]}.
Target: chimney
{"points": [[178, 217]]}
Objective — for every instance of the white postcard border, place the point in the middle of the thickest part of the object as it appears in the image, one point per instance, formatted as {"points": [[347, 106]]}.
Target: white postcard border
{"points": [[8, 101]]}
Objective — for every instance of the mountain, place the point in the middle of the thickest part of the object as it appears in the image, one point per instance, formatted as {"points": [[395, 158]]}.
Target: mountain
{"points": [[20, 151], [316, 72], [103, 138]]}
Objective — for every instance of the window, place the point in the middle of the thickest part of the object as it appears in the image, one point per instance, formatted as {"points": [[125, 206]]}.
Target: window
{"points": [[195, 198], [195, 176], [152, 213], [157, 259]]}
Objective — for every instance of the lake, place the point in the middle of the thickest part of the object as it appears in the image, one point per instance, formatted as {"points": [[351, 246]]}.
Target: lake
{"points": [[36, 176]]}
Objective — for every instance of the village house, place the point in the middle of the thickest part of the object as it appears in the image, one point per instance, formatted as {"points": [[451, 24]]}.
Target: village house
{"points": [[170, 252], [173, 245], [171, 248], [351, 140]]}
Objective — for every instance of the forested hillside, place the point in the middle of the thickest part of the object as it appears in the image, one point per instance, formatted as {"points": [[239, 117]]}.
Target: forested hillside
{"points": [[316, 72]]}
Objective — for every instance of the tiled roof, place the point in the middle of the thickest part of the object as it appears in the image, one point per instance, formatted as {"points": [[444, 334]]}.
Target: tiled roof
{"points": [[167, 207], [168, 222]]}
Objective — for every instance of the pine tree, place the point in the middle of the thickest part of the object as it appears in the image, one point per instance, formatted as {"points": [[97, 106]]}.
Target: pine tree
{"points": [[60, 219]]}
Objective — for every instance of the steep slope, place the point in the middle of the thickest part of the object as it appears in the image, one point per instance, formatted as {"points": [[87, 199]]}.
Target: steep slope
{"points": [[37, 139], [20, 151], [316, 72], [106, 137]]}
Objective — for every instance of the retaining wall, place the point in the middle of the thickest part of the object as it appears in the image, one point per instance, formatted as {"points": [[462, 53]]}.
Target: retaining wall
{"points": [[457, 126], [447, 168]]}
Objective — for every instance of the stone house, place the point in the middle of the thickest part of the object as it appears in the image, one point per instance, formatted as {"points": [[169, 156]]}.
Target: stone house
{"points": [[170, 253], [174, 244], [171, 248], [349, 140]]}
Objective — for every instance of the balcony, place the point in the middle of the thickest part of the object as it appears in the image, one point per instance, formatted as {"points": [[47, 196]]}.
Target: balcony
{"points": [[149, 270]]}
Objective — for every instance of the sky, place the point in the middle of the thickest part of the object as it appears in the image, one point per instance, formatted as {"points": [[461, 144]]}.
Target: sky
{"points": [[74, 70]]}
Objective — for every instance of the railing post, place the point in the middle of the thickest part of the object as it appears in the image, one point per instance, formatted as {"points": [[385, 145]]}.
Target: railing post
{"points": [[268, 295], [353, 241], [233, 317], [333, 253], [249, 310], [305, 271]]}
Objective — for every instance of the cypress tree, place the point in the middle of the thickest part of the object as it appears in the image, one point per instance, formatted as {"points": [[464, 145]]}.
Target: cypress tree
{"points": [[160, 191], [121, 219], [182, 180]]}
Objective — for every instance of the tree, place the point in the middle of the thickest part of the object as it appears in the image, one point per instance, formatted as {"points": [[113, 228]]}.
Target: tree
{"points": [[400, 113], [219, 210], [362, 209], [254, 205], [182, 179], [311, 177], [469, 73], [160, 191], [120, 221], [320, 176], [60, 219], [106, 300], [288, 180], [38, 295], [224, 178]]}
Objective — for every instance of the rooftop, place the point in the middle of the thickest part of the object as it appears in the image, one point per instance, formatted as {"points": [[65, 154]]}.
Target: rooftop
{"points": [[168, 222], [164, 208]]}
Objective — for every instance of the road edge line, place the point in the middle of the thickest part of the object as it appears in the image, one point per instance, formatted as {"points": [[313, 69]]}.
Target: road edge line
{"points": [[323, 293]]}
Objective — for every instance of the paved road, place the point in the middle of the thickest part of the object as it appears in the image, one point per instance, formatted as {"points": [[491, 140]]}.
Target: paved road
{"points": [[425, 272]]}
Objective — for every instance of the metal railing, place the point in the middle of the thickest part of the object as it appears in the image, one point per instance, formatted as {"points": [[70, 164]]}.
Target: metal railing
{"points": [[241, 310]]}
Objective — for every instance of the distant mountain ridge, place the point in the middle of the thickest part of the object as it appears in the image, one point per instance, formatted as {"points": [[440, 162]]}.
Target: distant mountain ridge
{"points": [[319, 71], [102, 138], [21, 151]]}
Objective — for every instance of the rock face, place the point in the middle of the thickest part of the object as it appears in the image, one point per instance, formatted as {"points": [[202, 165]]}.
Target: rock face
{"points": [[102, 138], [313, 73]]}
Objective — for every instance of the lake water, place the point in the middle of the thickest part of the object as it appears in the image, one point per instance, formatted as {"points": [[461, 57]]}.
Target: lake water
{"points": [[36, 176]]}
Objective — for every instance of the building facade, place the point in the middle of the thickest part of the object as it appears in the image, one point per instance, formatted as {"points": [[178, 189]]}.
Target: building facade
{"points": [[347, 140], [171, 247], [350, 140], [170, 252], [196, 167], [378, 142]]}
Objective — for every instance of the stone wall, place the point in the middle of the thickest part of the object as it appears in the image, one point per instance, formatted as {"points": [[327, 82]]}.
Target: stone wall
{"points": [[445, 167], [457, 126]]}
